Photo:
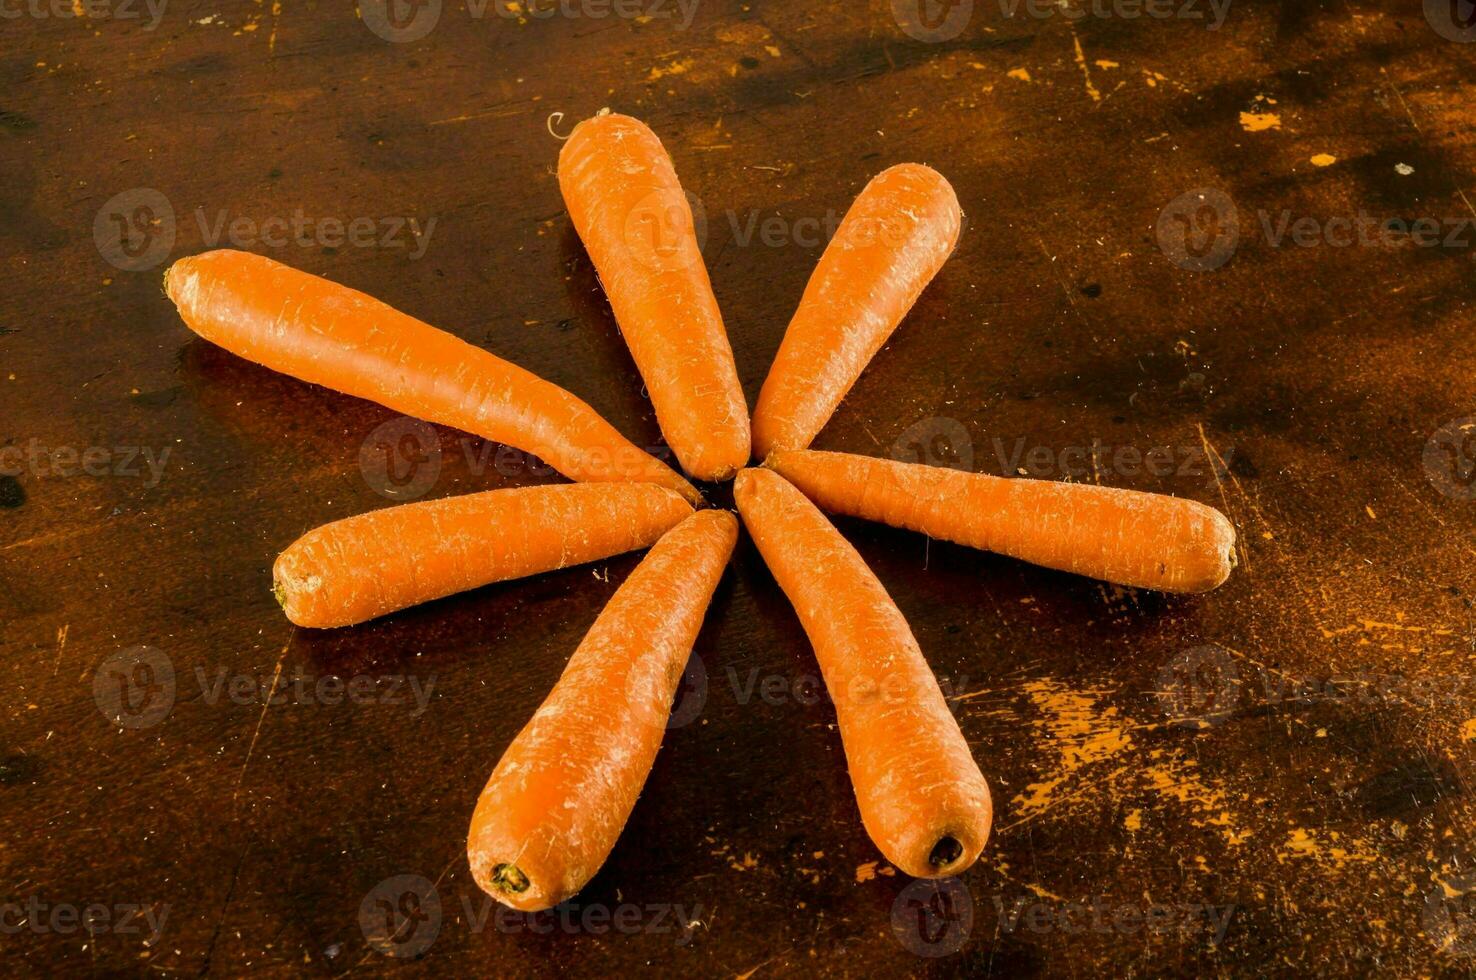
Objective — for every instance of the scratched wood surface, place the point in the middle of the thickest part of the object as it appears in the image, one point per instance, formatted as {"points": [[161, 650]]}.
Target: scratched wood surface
{"points": [[1184, 248]]}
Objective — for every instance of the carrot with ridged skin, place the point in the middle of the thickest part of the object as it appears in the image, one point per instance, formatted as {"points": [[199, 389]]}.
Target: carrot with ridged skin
{"points": [[373, 564], [922, 798], [1143, 540], [327, 334], [558, 799], [624, 198], [889, 246]]}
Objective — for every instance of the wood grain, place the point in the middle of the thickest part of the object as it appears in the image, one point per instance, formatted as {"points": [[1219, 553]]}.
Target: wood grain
{"points": [[1326, 800]]}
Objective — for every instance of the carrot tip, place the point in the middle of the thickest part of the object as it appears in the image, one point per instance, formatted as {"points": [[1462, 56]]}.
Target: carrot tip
{"points": [[507, 877], [945, 852]]}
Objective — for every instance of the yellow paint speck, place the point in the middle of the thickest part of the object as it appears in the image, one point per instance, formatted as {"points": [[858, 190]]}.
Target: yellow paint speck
{"points": [[1324, 160], [1104, 64], [773, 51], [1023, 74], [1134, 820], [1468, 729], [1367, 509], [1258, 122], [675, 68]]}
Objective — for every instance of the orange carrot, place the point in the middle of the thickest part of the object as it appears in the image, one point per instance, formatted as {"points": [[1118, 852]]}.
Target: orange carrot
{"points": [[563, 790], [373, 564], [328, 334], [625, 200], [1144, 540], [892, 242], [922, 797]]}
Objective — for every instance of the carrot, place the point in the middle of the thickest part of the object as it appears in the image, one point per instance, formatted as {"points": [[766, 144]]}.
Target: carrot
{"points": [[922, 797], [328, 334], [374, 564], [625, 200], [1144, 540], [565, 787], [892, 242]]}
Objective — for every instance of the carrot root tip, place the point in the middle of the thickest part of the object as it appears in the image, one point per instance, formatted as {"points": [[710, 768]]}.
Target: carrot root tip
{"points": [[945, 852], [507, 877]]}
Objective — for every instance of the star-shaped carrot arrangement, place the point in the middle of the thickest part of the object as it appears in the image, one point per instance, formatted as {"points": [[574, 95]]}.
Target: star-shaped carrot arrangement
{"points": [[559, 797]]}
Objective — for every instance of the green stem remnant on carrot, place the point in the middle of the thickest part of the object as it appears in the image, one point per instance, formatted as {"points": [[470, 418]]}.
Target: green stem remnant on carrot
{"points": [[921, 795], [1143, 540], [327, 334], [891, 244], [624, 198], [563, 790], [373, 564]]}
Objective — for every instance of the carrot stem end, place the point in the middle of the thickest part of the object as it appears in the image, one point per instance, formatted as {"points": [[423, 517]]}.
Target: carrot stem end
{"points": [[945, 852], [508, 878]]}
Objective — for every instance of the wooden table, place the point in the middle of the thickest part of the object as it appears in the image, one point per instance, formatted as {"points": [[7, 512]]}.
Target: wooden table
{"points": [[1179, 250]]}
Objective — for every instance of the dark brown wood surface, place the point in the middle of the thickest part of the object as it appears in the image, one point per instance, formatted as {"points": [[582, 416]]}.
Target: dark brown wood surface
{"points": [[1273, 778]]}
